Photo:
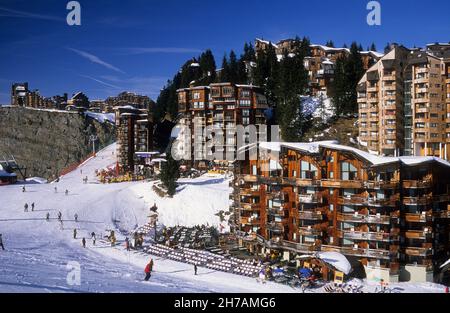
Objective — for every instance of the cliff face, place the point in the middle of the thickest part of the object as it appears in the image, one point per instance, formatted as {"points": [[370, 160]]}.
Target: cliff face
{"points": [[47, 142]]}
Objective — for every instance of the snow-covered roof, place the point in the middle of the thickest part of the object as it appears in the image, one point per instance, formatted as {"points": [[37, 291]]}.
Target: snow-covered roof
{"points": [[337, 260], [330, 49], [374, 53], [195, 65], [375, 160], [266, 42]]}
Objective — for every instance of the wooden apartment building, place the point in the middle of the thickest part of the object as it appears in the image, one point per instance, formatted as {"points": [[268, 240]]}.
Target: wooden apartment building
{"points": [[134, 128], [391, 214], [223, 106]]}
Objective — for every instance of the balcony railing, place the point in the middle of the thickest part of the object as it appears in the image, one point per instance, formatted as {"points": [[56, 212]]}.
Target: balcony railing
{"points": [[424, 200], [360, 252], [416, 184], [369, 219], [310, 198], [366, 201], [309, 231], [418, 234], [250, 206], [358, 235], [310, 215], [381, 184], [356, 184], [421, 252], [275, 227]]}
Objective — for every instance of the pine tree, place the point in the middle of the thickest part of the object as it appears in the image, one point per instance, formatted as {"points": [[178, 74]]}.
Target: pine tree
{"points": [[234, 67], [208, 67], [373, 47], [225, 72], [387, 49], [330, 44], [170, 173]]}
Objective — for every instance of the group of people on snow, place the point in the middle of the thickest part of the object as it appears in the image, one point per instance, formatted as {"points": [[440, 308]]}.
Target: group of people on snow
{"points": [[26, 207]]}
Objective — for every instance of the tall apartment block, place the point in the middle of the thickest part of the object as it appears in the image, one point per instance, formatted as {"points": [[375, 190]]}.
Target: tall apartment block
{"points": [[19, 94], [403, 103], [134, 134], [389, 213], [222, 106], [320, 63], [128, 98]]}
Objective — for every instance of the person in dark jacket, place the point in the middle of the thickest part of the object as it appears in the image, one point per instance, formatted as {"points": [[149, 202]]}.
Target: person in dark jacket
{"points": [[195, 269], [1, 242], [83, 242], [74, 233], [32, 207], [127, 244], [25, 207], [148, 270]]}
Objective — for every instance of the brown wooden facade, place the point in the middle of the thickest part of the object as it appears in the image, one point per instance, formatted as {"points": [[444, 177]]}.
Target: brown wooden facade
{"points": [[390, 214]]}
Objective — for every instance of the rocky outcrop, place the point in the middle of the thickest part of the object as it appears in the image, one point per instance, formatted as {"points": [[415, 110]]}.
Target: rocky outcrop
{"points": [[46, 142]]}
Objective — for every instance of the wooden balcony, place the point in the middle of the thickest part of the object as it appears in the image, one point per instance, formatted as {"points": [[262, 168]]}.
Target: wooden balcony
{"points": [[364, 219], [303, 182], [359, 252], [311, 198], [424, 200], [421, 252], [249, 192], [309, 231], [418, 234], [416, 184], [276, 212], [369, 236], [310, 215], [382, 184], [276, 227], [351, 184], [270, 180], [250, 221], [290, 246], [419, 218], [250, 206], [365, 201]]}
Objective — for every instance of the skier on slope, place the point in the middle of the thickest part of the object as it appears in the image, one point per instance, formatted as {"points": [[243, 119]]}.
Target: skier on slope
{"points": [[1, 242], [60, 216], [76, 217], [93, 238], [195, 268], [67, 192], [148, 270], [47, 217], [25, 207], [74, 233], [56, 189], [23, 189], [32, 207], [127, 244], [83, 242]]}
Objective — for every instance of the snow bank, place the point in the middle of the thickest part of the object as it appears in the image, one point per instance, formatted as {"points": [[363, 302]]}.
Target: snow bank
{"points": [[101, 117]]}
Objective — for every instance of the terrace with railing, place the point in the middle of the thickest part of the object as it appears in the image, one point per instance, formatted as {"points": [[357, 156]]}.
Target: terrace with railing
{"points": [[365, 219]]}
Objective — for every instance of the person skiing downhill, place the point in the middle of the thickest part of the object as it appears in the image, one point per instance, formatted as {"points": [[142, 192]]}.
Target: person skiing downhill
{"points": [[76, 217], [148, 270], [195, 269], [59, 216], [93, 238], [1, 242], [25, 207], [127, 244], [67, 192], [74, 233], [56, 189], [83, 242], [32, 207], [47, 217], [23, 189]]}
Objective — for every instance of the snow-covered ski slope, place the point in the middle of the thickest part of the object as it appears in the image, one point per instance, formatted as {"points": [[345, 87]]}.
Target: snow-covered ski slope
{"points": [[38, 251]]}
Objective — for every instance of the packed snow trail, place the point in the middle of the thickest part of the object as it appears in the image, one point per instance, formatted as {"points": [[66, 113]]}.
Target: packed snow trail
{"points": [[38, 251]]}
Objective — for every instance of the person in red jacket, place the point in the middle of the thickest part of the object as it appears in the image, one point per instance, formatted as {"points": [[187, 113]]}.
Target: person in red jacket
{"points": [[148, 270]]}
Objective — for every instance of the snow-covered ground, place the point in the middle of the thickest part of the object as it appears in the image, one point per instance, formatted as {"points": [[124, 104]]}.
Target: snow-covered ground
{"points": [[38, 251]]}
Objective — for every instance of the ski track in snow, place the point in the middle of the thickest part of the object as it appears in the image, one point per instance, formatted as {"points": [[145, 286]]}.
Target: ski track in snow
{"points": [[38, 251]]}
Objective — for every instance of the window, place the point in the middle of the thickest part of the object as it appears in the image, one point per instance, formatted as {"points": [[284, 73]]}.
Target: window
{"points": [[308, 171], [348, 171], [245, 93], [196, 95]]}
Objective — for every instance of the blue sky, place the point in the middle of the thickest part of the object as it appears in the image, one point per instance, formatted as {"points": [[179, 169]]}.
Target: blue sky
{"points": [[137, 45]]}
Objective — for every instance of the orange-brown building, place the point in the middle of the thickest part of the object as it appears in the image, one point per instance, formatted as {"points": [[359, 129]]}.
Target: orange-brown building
{"points": [[223, 106], [389, 213]]}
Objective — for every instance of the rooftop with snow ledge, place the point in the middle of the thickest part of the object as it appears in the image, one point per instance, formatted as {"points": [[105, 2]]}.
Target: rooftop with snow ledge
{"points": [[314, 148]]}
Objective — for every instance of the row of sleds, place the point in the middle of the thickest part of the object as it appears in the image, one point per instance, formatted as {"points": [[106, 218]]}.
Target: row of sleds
{"points": [[206, 259]]}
